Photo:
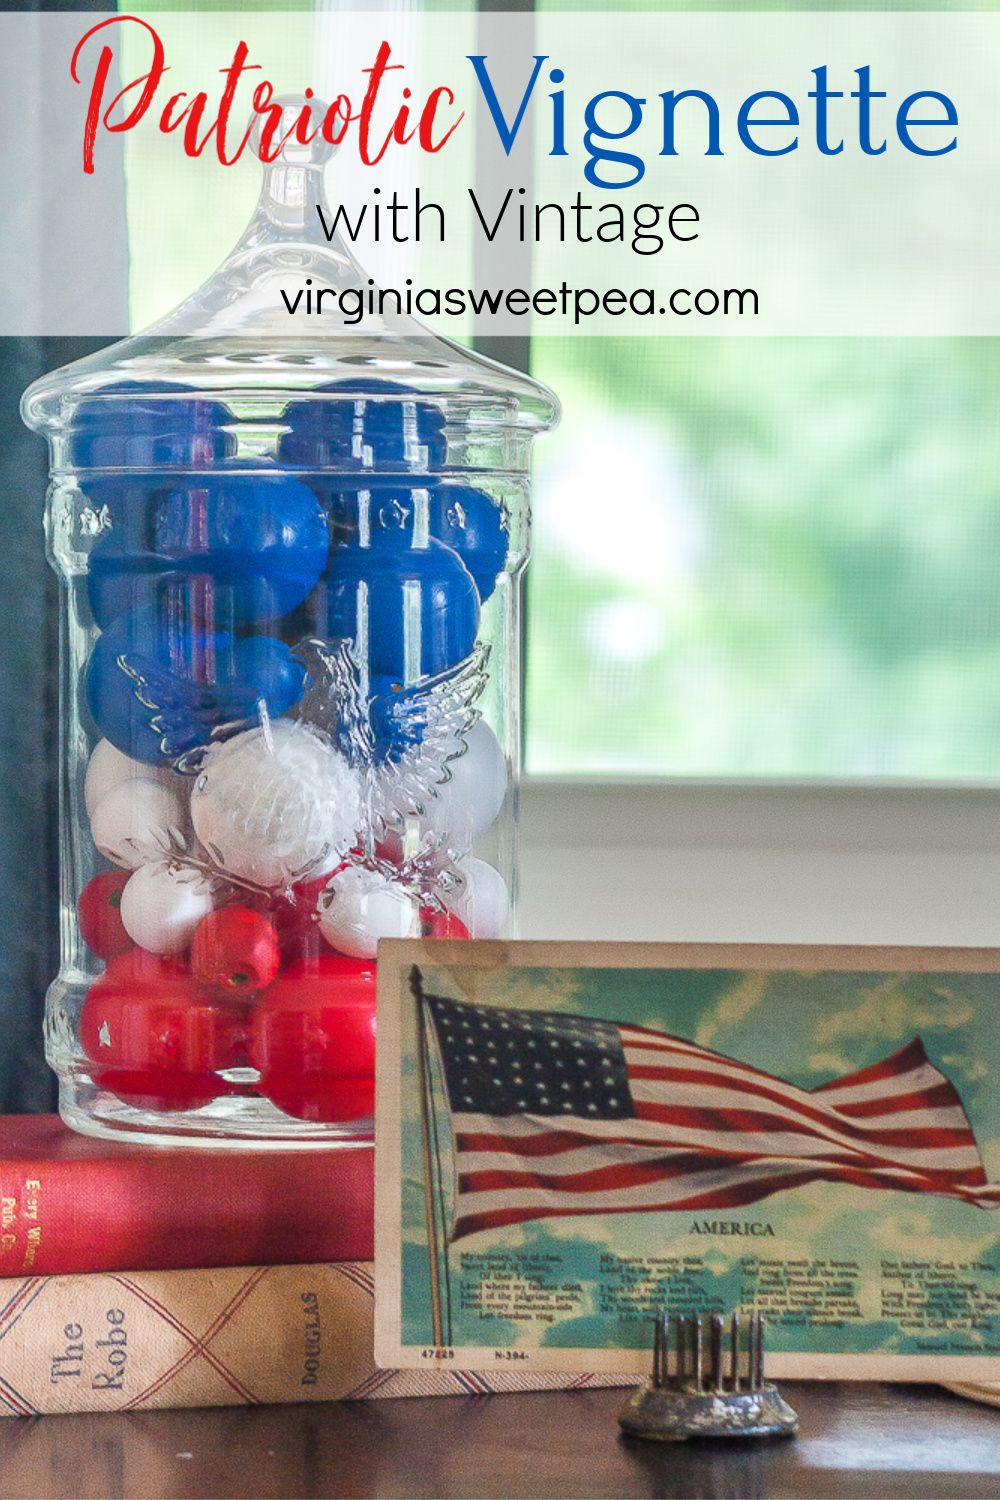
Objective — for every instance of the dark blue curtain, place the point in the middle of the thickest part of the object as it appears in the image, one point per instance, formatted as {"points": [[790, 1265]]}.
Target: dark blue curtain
{"points": [[29, 730]]}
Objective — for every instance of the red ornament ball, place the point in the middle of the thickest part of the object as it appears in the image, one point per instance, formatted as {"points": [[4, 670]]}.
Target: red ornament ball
{"points": [[154, 1040], [293, 915], [100, 915], [313, 1039], [441, 924], [236, 950]]}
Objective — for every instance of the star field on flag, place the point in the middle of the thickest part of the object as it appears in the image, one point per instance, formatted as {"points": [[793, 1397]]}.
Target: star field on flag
{"points": [[506, 1062]]}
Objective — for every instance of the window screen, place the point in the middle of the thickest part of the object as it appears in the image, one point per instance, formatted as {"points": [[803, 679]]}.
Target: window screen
{"points": [[767, 558]]}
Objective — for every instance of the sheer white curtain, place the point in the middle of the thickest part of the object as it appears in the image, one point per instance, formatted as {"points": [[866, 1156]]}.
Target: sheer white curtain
{"points": [[63, 242]]}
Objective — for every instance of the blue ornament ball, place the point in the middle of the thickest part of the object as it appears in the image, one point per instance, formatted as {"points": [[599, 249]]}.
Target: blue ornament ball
{"points": [[156, 686], [248, 549], [207, 602], [366, 423], [123, 503], [469, 522], [416, 607], [395, 725], [128, 425]]}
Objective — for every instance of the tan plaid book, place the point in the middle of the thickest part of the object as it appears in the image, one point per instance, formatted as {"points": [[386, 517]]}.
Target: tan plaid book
{"points": [[221, 1337]]}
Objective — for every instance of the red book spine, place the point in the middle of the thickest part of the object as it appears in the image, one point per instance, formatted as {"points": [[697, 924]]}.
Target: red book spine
{"points": [[70, 1205]]}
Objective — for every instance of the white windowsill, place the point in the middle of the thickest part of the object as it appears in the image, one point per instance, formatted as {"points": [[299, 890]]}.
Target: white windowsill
{"points": [[712, 862]]}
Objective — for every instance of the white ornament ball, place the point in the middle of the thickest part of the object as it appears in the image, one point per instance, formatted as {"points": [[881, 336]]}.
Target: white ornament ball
{"points": [[360, 906], [482, 901], [162, 905], [462, 806], [108, 767], [277, 804], [138, 821]]}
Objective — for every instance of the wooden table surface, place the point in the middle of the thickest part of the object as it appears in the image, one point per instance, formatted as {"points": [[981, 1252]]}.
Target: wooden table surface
{"points": [[906, 1441]]}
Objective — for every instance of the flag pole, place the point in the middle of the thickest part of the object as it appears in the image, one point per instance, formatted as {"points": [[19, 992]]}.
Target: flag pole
{"points": [[423, 1075]]}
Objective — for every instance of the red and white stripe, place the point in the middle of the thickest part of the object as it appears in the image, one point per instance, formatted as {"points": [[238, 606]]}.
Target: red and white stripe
{"points": [[712, 1133]]}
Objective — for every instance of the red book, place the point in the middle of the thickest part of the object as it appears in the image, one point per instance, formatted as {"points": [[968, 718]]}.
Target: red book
{"points": [[70, 1204]]}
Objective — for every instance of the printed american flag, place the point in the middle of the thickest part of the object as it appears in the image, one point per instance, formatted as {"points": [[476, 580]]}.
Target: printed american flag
{"points": [[555, 1114]]}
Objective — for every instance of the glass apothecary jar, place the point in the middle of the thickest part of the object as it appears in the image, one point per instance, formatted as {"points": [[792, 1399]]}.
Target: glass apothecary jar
{"points": [[291, 564]]}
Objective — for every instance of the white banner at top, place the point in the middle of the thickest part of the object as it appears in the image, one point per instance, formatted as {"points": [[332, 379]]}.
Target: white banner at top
{"points": [[702, 173]]}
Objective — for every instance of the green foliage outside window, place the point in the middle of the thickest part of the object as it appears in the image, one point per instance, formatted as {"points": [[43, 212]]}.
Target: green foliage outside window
{"points": [[768, 558]]}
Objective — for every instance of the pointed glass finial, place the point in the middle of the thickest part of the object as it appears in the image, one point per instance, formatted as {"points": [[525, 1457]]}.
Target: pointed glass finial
{"points": [[285, 264], [293, 179]]}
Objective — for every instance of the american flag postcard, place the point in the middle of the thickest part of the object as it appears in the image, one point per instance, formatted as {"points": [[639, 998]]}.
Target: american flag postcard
{"points": [[573, 1137]]}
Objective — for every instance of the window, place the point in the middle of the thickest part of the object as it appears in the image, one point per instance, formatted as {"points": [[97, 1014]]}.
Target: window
{"points": [[754, 558]]}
